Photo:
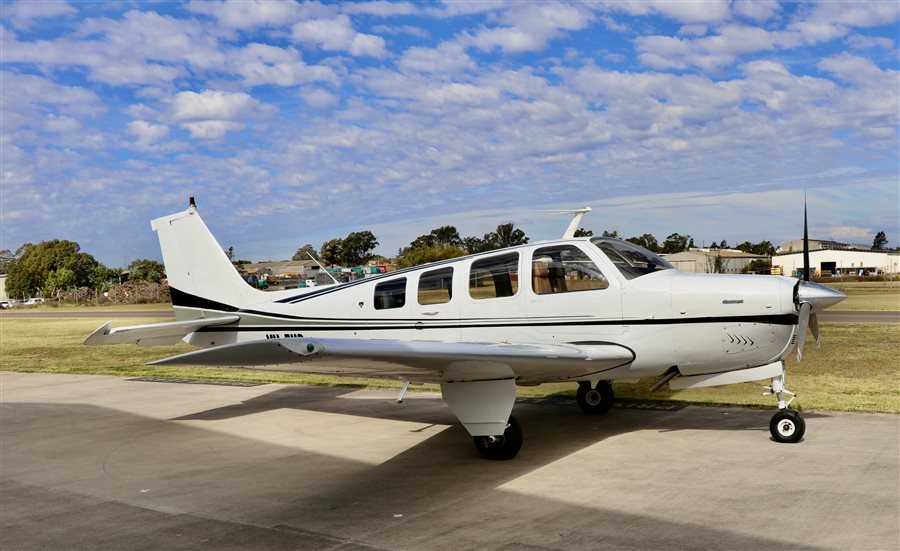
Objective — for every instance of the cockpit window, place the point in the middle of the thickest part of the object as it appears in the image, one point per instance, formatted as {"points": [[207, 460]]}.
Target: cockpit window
{"points": [[631, 260]]}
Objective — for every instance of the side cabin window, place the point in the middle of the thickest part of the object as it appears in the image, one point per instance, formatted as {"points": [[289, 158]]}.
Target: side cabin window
{"points": [[564, 269], [390, 294], [436, 286], [494, 277]]}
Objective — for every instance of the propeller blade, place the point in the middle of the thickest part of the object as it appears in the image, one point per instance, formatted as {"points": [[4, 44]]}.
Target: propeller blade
{"points": [[802, 326], [805, 242], [814, 326]]}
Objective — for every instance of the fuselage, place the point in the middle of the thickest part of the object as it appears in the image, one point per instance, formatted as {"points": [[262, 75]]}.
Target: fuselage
{"points": [[585, 291]]}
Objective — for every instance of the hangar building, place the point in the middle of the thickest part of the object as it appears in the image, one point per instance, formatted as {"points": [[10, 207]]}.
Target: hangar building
{"points": [[827, 258]]}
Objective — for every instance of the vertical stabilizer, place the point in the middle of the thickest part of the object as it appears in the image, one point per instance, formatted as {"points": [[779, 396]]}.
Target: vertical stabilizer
{"points": [[200, 274]]}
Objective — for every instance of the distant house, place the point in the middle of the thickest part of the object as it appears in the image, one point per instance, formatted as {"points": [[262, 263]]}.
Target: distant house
{"points": [[708, 261], [3, 295]]}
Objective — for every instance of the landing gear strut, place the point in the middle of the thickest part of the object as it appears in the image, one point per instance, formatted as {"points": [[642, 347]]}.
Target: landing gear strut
{"points": [[595, 400], [501, 447], [786, 426]]}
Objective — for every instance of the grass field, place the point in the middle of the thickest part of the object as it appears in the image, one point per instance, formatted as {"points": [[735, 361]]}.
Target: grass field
{"points": [[869, 296], [856, 369]]}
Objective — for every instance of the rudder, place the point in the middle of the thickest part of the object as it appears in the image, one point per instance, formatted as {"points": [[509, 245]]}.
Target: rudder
{"points": [[199, 273]]}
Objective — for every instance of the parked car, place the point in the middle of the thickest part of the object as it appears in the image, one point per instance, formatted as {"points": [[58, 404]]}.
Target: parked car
{"points": [[5, 304], [34, 301]]}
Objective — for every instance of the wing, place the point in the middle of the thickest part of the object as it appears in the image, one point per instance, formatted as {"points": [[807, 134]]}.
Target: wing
{"points": [[153, 334], [416, 360]]}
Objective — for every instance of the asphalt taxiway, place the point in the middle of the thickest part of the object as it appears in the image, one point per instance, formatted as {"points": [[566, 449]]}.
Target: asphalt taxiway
{"points": [[89, 462]]}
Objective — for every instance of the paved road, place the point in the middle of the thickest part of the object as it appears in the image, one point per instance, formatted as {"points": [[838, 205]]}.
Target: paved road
{"points": [[109, 463], [859, 316], [826, 316], [104, 314]]}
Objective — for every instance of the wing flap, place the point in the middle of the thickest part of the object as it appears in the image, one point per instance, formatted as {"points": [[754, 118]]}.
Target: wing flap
{"points": [[457, 361], [153, 334]]}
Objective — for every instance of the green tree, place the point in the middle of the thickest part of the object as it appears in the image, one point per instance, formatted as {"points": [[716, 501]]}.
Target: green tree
{"points": [[102, 278], [581, 232], [331, 251], [676, 243], [301, 253], [7, 261], [58, 281], [445, 236], [424, 255], [146, 270], [607, 233], [37, 261], [356, 248], [880, 241], [647, 241]]}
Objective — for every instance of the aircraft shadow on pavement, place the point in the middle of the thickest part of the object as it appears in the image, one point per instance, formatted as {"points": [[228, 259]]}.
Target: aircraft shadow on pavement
{"points": [[552, 427], [446, 496]]}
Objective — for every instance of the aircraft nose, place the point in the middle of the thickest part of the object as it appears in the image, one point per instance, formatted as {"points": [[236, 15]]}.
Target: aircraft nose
{"points": [[819, 296]]}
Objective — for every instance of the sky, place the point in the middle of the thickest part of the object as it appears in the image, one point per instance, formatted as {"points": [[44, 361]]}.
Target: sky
{"points": [[297, 122]]}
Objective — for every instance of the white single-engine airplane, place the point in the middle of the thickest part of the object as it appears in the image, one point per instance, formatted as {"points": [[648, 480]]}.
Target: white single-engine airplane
{"points": [[585, 310]]}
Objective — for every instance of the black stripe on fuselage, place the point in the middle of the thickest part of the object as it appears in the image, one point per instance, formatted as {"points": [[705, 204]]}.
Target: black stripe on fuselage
{"points": [[785, 319]]}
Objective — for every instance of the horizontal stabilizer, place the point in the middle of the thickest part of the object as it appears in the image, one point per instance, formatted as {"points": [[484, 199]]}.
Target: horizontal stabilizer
{"points": [[153, 334], [453, 360]]}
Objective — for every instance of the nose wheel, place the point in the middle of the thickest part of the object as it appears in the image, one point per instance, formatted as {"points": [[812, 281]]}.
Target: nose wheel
{"points": [[787, 426]]}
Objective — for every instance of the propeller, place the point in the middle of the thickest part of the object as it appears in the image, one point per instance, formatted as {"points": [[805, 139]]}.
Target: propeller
{"points": [[811, 297], [802, 325]]}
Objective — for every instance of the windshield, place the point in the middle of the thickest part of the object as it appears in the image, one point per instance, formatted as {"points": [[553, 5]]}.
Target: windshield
{"points": [[631, 260]]}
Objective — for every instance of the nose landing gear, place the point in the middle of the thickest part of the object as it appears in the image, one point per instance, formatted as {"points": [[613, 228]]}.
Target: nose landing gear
{"points": [[786, 426]]}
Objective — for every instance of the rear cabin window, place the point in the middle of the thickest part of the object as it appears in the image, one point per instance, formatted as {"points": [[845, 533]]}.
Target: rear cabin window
{"points": [[564, 269], [390, 294], [436, 286], [494, 277]]}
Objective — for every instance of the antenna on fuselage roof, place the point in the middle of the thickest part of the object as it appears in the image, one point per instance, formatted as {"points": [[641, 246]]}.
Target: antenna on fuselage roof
{"points": [[577, 215], [324, 269]]}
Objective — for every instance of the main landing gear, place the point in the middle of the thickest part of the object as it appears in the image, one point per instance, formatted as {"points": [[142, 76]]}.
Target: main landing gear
{"points": [[595, 400], [501, 447], [786, 426]]}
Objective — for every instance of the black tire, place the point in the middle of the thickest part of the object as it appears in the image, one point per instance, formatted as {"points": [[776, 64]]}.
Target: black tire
{"points": [[503, 447], [787, 426], [595, 401]]}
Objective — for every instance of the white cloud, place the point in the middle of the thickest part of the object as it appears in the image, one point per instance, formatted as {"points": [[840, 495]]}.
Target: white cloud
{"points": [[697, 11], [262, 64], [853, 69], [210, 114], [337, 34], [448, 58], [24, 12], [318, 98], [213, 104], [251, 14], [380, 8], [411, 30], [757, 10], [529, 27], [147, 133], [863, 42], [211, 130]]}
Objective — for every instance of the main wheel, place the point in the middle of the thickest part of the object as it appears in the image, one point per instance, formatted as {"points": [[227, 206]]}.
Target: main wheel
{"points": [[787, 426], [595, 401], [502, 447]]}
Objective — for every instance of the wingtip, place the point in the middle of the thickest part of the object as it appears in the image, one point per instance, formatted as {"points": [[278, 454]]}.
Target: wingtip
{"points": [[96, 337]]}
